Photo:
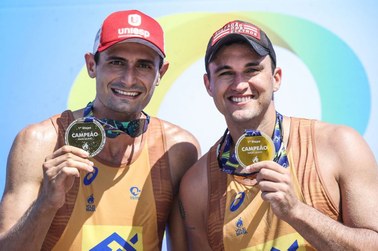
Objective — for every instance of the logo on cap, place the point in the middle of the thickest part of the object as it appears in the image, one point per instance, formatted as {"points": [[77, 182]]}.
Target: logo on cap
{"points": [[134, 19], [238, 28], [131, 24]]}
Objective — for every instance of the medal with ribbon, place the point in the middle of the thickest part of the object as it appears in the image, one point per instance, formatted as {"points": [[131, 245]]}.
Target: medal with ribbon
{"points": [[253, 146], [89, 133]]}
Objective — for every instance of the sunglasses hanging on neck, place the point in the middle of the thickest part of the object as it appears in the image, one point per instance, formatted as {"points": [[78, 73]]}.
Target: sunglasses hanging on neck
{"points": [[113, 128]]}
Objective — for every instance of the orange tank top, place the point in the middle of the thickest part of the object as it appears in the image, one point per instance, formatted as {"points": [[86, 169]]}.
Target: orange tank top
{"points": [[238, 218], [116, 208]]}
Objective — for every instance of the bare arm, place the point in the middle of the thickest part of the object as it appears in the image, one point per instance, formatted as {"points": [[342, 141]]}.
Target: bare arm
{"points": [[194, 199], [350, 173], [355, 173], [35, 186], [184, 151]]}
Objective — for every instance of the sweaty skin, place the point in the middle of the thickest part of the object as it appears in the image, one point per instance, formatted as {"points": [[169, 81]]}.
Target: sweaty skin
{"points": [[242, 85], [39, 174]]}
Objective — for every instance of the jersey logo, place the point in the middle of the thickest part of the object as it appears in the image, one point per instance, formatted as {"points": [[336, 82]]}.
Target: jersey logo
{"points": [[289, 242], [293, 247], [240, 229], [109, 237], [135, 192], [90, 207], [90, 177], [116, 242], [239, 199]]}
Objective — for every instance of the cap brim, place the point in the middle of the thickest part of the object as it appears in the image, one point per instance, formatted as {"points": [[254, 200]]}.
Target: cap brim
{"points": [[133, 40], [231, 38], [146, 43]]}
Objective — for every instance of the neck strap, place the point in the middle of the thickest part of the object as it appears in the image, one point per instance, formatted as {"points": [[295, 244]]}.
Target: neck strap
{"points": [[227, 161]]}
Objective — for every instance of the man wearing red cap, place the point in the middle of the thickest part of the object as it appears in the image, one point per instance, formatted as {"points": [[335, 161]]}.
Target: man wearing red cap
{"points": [[106, 176], [274, 182]]}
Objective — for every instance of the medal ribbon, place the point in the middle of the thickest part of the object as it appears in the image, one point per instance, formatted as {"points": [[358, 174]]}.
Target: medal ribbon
{"points": [[227, 160], [113, 128]]}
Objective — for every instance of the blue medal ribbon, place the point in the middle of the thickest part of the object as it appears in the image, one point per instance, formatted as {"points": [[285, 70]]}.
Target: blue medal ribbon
{"points": [[227, 161]]}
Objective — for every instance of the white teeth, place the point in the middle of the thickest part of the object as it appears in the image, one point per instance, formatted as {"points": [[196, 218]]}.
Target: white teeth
{"points": [[241, 99], [133, 94]]}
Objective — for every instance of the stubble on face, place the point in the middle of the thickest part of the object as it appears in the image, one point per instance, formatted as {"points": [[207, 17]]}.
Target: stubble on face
{"points": [[126, 78], [241, 83]]}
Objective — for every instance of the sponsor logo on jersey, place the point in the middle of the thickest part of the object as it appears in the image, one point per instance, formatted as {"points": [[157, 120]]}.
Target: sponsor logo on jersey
{"points": [[135, 193], [239, 199], [90, 207], [100, 238], [90, 177], [240, 229], [289, 242]]}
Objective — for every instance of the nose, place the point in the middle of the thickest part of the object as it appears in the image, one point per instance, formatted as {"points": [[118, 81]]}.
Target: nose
{"points": [[240, 83], [128, 76]]}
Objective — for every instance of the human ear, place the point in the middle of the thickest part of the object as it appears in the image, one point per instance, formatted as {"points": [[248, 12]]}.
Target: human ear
{"points": [[207, 84], [277, 76], [163, 69], [91, 64]]}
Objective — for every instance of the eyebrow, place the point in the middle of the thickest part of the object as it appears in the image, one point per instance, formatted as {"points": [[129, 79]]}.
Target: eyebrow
{"points": [[141, 60], [227, 67], [146, 61], [114, 58], [255, 63], [221, 68]]}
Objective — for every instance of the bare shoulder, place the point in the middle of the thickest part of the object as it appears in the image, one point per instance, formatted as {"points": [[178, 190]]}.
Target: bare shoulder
{"points": [[40, 133], [344, 143], [176, 134], [194, 185], [333, 133], [344, 157], [183, 150], [24, 170], [30, 147], [180, 142], [196, 177], [350, 171], [194, 202]]}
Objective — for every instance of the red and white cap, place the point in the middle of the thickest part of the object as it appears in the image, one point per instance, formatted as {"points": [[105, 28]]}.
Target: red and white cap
{"points": [[130, 26]]}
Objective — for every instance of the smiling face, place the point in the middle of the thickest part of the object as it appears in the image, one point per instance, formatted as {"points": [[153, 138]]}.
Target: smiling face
{"points": [[126, 75], [242, 84]]}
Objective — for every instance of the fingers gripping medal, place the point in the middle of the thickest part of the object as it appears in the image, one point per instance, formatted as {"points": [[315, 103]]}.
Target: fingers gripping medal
{"points": [[254, 146], [87, 134]]}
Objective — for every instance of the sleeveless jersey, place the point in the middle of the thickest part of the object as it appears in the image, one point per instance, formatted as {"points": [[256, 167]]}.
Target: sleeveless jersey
{"points": [[239, 219], [116, 208]]}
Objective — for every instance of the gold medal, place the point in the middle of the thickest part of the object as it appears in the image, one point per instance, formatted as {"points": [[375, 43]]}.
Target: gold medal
{"points": [[252, 147], [87, 134]]}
